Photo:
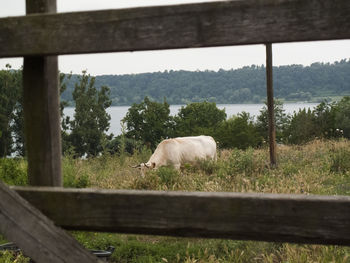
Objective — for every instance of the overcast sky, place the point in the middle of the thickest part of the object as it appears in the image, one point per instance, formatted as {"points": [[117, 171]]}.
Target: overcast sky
{"points": [[186, 59]]}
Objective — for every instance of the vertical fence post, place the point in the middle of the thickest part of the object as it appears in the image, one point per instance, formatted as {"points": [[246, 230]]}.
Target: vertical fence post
{"points": [[41, 111], [270, 106]]}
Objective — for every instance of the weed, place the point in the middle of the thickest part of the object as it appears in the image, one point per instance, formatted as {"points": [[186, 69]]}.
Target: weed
{"points": [[149, 182], [168, 176], [13, 171], [10, 257], [208, 166], [340, 160], [73, 174]]}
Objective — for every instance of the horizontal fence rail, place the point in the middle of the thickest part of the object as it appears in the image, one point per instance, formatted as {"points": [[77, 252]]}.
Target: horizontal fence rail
{"points": [[266, 217], [167, 27], [36, 235]]}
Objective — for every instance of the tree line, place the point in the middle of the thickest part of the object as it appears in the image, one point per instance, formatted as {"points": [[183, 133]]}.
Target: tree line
{"points": [[329, 120], [244, 85], [148, 122]]}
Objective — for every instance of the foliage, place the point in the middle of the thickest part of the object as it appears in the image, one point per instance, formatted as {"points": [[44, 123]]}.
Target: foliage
{"points": [[149, 122], [10, 257], [323, 118], [342, 117], [10, 89], [302, 127], [327, 120], [340, 160], [238, 132], [281, 121], [198, 118], [168, 176], [91, 121], [13, 171], [244, 85], [122, 144]]}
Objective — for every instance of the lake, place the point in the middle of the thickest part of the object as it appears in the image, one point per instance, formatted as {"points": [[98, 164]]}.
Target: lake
{"points": [[118, 112]]}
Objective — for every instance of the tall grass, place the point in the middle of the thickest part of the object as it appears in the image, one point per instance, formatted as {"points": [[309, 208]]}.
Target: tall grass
{"points": [[319, 167]]}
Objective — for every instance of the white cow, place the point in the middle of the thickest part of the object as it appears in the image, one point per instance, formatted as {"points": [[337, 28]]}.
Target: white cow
{"points": [[178, 151]]}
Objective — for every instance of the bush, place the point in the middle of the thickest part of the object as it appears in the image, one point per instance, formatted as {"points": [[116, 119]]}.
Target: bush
{"points": [[10, 257], [199, 118], [120, 145], [13, 171], [208, 166], [148, 122], [342, 117], [149, 182], [302, 128], [238, 132], [168, 176], [239, 162], [73, 176], [281, 121], [340, 160]]}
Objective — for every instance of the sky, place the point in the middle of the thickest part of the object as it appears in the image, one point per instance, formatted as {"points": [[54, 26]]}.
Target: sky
{"points": [[234, 57]]}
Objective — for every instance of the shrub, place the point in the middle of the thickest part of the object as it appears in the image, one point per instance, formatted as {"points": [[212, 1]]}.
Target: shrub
{"points": [[340, 160], [302, 127], [239, 132], [13, 171], [198, 118], [148, 122], [73, 175], [208, 166], [149, 182], [168, 176], [10, 257], [342, 117], [239, 162], [281, 121]]}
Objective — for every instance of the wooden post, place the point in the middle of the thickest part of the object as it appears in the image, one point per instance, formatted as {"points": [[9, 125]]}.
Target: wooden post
{"points": [[41, 111], [270, 106]]}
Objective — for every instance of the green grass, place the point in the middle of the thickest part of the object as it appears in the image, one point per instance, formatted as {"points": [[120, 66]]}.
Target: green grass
{"points": [[319, 167]]}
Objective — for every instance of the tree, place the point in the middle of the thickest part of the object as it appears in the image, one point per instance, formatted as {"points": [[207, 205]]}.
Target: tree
{"points": [[10, 88], [18, 125], [324, 118], [239, 132], [342, 117], [281, 121], [91, 121], [198, 118], [149, 122], [302, 128]]}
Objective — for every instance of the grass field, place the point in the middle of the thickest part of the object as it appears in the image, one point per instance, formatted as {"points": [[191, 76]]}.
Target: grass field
{"points": [[320, 167]]}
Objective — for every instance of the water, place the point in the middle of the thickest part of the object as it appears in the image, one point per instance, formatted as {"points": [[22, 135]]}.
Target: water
{"points": [[118, 112]]}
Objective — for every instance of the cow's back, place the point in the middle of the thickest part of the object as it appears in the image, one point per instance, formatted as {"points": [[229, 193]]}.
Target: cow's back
{"points": [[197, 147]]}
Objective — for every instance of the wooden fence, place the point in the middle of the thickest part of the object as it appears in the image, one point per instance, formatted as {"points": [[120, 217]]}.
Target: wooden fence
{"points": [[42, 34]]}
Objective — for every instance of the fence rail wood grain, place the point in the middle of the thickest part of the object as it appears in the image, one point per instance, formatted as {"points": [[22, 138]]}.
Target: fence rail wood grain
{"points": [[35, 234], [167, 27], [268, 217]]}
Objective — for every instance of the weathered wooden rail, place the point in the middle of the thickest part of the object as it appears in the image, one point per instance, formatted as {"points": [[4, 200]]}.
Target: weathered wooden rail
{"points": [[42, 35], [166, 27], [268, 217]]}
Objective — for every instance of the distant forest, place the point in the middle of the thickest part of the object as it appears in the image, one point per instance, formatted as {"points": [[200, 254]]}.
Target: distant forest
{"points": [[245, 85]]}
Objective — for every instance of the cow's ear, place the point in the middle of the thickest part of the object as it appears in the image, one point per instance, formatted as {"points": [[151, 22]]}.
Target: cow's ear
{"points": [[153, 165]]}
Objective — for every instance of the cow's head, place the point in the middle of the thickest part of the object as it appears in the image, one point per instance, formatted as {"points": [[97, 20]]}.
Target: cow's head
{"points": [[144, 167]]}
